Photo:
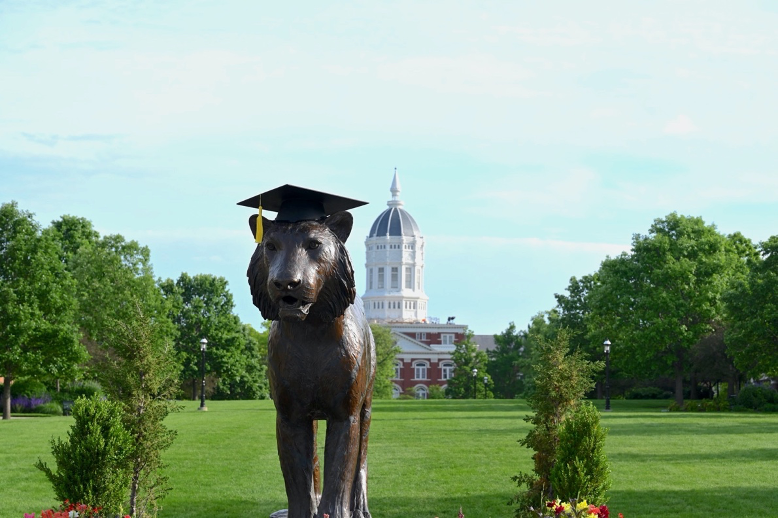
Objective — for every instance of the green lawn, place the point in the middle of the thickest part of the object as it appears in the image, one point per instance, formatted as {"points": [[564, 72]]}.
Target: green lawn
{"points": [[429, 457]]}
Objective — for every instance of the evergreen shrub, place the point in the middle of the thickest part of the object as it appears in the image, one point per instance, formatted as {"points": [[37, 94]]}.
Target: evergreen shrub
{"points": [[581, 470], [92, 464]]}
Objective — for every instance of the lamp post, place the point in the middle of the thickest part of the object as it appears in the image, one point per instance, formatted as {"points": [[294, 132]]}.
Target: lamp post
{"points": [[475, 374], [203, 347], [486, 383], [607, 346]]}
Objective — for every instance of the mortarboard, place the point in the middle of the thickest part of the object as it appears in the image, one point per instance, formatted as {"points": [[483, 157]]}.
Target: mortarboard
{"points": [[294, 204]]}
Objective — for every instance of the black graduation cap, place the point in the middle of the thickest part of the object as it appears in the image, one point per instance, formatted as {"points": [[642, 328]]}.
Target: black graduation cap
{"points": [[294, 204]]}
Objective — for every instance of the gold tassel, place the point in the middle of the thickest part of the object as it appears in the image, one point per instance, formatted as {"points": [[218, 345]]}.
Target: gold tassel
{"points": [[258, 237]]}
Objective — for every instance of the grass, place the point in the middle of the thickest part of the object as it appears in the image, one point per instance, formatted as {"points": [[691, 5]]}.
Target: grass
{"points": [[429, 457]]}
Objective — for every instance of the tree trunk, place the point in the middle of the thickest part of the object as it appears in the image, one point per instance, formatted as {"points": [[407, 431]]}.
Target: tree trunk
{"points": [[7, 397], [679, 377], [134, 493]]}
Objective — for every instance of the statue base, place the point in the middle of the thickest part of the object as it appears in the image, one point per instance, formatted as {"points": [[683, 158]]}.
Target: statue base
{"points": [[279, 514]]}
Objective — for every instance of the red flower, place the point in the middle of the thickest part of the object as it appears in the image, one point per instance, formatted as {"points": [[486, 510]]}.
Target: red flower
{"points": [[594, 510], [604, 511], [621, 515], [550, 504], [559, 509]]}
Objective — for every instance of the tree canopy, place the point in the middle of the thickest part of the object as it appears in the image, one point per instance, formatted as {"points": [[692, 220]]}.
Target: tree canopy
{"points": [[752, 314], [38, 336]]}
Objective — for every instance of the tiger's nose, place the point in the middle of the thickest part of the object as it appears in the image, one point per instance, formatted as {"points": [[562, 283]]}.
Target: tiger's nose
{"points": [[287, 284]]}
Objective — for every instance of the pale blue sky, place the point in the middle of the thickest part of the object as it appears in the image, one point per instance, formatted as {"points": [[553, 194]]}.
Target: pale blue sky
{"points": [[531, 139]]}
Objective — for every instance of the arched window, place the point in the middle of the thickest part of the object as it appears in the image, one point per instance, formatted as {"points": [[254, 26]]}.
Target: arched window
{"points": [[396, 391], [397, 369], [420, 370], [421, 392], [447, 370]]}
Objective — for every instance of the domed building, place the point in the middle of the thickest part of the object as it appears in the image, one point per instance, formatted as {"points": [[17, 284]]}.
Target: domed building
{"points": [[395, 297], [395, 265]]}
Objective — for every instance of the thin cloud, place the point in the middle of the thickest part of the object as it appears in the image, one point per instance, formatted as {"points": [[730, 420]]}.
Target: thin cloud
{"points": [[477, 74], [536, 243], [681, 125]]}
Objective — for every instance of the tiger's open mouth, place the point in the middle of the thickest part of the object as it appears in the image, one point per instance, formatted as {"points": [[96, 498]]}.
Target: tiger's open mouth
{"points": [[292, 308]]}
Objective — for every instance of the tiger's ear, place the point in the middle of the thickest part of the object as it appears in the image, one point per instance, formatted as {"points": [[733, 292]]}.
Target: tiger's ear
{"points": [[340, 223], [253, 224]]}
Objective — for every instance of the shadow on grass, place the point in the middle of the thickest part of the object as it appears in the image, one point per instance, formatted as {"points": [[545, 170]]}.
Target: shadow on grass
{"points": [[757, 455], [695, 503], [695, 428], [475, 506]]}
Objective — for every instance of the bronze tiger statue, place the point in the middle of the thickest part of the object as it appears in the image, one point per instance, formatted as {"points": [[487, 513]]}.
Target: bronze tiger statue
{"points": [[321, 359]]}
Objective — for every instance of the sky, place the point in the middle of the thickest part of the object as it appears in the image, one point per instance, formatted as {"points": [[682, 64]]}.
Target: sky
{"points": [[531, 139]]}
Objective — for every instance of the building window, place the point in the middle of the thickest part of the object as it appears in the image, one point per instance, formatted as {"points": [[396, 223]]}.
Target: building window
{"points": [[447, 339], [421, 336], [370, 278], [380, 278], [396, 391], [395, 277], [397, 368], [421, 392], [408, 280], [420, 370], [447, 369]]}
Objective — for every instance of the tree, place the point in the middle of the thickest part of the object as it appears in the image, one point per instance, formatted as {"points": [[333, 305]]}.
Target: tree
{"points": [[37, 304], [386, 349], [141, 374], [201, 306], [467, 357], [752, 314], [664, 297], [249, 380], [507, 362], [562, 379]]}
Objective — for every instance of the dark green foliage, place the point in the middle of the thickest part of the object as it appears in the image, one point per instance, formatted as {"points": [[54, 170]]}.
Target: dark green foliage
{"points": [[386, 349], [467, 357], [752, 314], [141, 374], [29, 387], [648, 393], [38, 337], [92, 463], [581, 470], [756, 397], [561, 380], [509, 363]]}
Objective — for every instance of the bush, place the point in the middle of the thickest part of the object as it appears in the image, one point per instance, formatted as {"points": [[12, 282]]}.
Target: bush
{"points": [[581, 470], [648, 393], [27, 404], [757, 397], [86, 389], [28, 387], [92, 464], [436, 392], [50, 408]]}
